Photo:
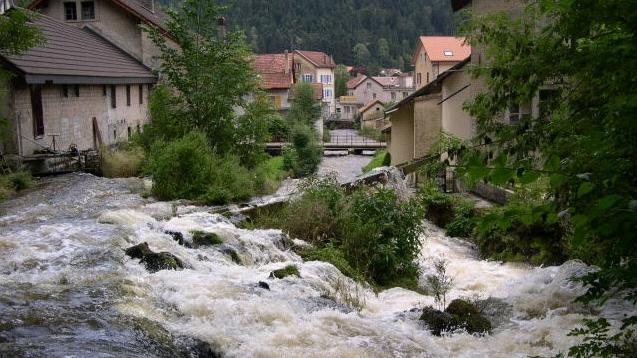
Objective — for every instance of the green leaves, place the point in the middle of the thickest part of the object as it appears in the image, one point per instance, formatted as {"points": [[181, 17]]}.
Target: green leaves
{"points": [[585, 188]]}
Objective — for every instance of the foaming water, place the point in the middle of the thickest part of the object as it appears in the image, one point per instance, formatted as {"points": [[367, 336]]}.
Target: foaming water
{"points": [[66, 288]]}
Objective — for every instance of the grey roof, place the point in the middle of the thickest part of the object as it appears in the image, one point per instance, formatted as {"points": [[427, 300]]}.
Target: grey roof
{"points": [[79, 56]]}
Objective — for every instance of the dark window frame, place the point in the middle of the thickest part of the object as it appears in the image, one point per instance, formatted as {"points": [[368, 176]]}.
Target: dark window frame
{"points": [[37, 111], [70, 6], [141, 94], [128, 95], [65, 90], [113, 96], [77, 90], [91, 9]]}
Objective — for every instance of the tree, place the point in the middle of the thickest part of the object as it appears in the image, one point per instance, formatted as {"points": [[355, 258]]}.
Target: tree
{"points": [[211, 75], [340, 81], [304, 156], [582, 142], [16, 36], [383, 53], [361, 54], [305, 109]]}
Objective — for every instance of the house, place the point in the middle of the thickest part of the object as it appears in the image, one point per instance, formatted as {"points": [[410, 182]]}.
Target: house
{"points": [[418, 120], [373, 115], [276, 77], [317, 67], [347, 108], [117, 21], [386, 89], [76, 91], [435, 55]]}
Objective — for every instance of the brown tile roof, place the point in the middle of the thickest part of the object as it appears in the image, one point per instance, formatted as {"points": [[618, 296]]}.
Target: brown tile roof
{"points": [[318, 59], [272, 69], [388, 81], [73, 55], [137, 8], [444, 48], [354, 82]]}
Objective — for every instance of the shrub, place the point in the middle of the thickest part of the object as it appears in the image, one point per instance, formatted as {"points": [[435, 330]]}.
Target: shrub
{"points": [[12, 183], [289, 270], [372, 133], [334, 255], [439, 206], [305, 155], [187, 168], [278, 129], [269, 174], [122, 163], [381, 159]]}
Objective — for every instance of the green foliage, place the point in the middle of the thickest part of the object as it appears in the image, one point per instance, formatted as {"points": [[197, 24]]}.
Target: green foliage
{"points": [[440, 282], [599, 342], [278, 128], [167, 116], [305, 109], [368, 234], [289, 270], [580, 142], [202, 238], [13, 183], [341, 76], [123, 162], [251, 131], [372, 133], [305, 155], [382, 158], [203, 98], [189, 169], [269, 175]]}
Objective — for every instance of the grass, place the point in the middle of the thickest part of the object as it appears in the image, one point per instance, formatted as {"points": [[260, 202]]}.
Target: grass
{"points": [[122, 163], [289, 270], [381, 159], [272, 174], [13, 183]]}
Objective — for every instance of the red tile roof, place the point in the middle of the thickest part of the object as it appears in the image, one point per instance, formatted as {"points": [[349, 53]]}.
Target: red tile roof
{"points": [[77, 56], [388, 81], [444, 48], [318, 59], [272, 69], [354, 82]]}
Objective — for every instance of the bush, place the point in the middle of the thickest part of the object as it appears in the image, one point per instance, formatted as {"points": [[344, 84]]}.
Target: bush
{"points": [[187, 168], [305, 155], [269, 174], [15, 182], [372, 133], [381, 159], [122, 163], [278, 129], [439, 206], [334, 255]]}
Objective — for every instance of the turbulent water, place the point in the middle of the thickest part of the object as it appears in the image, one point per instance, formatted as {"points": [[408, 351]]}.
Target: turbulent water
{"points": [[68, 290]]}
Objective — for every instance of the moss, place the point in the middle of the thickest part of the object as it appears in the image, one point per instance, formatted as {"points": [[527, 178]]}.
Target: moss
{"points": [[161, 261], [461, 308], [290, 270], [233, 255], [138, 251], [202, 238], [436, 320], [459, 314]]}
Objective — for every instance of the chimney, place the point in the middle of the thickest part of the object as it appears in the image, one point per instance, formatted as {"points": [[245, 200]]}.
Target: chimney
{"points": [[287, 62], [221, 28]]}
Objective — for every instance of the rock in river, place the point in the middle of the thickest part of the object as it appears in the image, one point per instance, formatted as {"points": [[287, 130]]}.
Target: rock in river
{"points": [[154, 261]]}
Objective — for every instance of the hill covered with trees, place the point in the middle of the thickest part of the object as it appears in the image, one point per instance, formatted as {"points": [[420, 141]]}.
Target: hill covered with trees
{"points": [[372, 33]]}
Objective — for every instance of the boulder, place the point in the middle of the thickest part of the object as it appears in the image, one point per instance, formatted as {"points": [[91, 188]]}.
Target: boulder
{"points": [[154, 261], [460, 314], [176, 235], [264, 285], [436, 320], [229, 251], [201, 238]]}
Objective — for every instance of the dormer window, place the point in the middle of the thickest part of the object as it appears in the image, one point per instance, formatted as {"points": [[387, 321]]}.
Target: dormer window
{"points": [[448, 53], [88, 10], [70, 11]]}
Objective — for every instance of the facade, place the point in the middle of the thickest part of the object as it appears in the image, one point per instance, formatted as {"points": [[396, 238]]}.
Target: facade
{"points": [[276, 77], [64, 97], [435, 55], [386, 89], [118, 21], [373, 115], [317, 67], [347, 108]]}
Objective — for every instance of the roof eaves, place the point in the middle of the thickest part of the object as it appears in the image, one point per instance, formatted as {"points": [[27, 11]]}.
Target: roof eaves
{"points": [[430, 87]]}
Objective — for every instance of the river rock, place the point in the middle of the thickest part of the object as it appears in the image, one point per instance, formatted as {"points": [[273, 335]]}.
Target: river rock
{"points": [[202, 238], [290, 270], [264, 285], [176, 235], [232, 253], [152, 260], [460, 314]]}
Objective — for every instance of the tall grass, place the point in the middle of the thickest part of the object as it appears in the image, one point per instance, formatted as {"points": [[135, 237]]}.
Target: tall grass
{"points": [[381, 159], [122, 163], [13, 183]]}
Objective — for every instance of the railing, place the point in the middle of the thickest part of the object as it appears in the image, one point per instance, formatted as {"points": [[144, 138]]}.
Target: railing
{"points": [[353, 140]]}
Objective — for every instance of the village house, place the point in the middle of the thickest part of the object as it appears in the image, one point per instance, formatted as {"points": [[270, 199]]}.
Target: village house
{"points": [[117, 21], [317, 67], [276, 77], [373, 115], [435, 55], [347, 108], [73, 96], [386, 89]]}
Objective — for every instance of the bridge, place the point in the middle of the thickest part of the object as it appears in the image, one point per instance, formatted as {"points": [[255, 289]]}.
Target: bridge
{"points": [[339, 142]]}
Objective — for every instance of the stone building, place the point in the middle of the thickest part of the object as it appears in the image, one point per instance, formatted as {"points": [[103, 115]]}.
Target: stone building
{"points": [[77, 90]]}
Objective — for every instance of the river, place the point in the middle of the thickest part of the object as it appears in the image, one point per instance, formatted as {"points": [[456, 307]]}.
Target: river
{"points": [[68, 290]]}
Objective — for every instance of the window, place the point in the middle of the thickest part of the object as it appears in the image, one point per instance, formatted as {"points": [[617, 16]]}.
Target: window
{"points": [[448, 53], [327, 79], [405, 94], [546, 101], [369, 85], [141, 94], [38, 112], [338, 110], [374, 95], [436, 70], [113, 97], [327, 93], [114, 134], [427, 77], [130, 132], [128, 95], [393, 96], [88, 10], [308, 78], [297, 66], [347, 109], [70, 11], [65, 91], [350, 93], [419, 78], [104, 90], [76, 90]]}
